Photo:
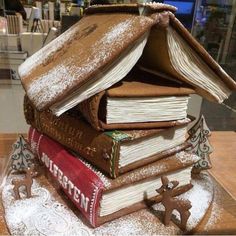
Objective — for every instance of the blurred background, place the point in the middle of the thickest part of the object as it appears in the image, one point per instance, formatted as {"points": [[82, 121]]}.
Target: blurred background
{"points": [[27, 25]]}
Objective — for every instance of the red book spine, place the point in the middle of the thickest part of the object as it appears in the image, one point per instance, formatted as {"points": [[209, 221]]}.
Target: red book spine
{"points": [[80, 183]]}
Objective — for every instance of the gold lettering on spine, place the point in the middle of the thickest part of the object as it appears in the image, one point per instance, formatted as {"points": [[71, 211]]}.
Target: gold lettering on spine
{"points": [[57, 128], [76, 193]]}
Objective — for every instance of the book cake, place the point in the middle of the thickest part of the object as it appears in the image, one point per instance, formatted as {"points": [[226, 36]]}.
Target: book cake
{"points": [[107, 105]]}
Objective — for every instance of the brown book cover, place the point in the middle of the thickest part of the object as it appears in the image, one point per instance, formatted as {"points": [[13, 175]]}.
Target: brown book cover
{"points": [[102, 48], [82, 55], [136, 85], [104, 149]]}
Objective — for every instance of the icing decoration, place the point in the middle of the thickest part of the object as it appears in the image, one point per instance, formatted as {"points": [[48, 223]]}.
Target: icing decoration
{"points": [[19, 160], [198, 137], [170, 203], [40, 215], [21, 157]]}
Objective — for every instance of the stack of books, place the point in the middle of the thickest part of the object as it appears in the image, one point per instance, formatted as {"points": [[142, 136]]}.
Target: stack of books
{"points": [[106, 120]]}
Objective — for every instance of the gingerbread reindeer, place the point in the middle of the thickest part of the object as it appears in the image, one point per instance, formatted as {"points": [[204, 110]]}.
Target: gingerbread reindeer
{"points": [[171, 204], [27, 182]]}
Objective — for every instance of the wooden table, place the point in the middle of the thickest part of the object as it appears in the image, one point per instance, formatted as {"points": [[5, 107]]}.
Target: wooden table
{"points": [[224, 159], [223, 210]]}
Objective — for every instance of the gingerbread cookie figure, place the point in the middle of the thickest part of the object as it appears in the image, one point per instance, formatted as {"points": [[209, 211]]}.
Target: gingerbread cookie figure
{"points": [[170, 203], [27, 182]]}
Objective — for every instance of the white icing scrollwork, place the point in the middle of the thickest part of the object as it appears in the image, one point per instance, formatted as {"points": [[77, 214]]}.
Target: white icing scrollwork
{"points": [[39, 215]]}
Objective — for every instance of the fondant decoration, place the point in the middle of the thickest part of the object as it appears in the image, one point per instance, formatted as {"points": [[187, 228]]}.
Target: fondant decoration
{"points": [[171, 204], [198, 137], [27, 182], [22, 156]]}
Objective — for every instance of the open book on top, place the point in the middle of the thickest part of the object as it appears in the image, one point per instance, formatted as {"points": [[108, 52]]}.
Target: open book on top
{"points": [[104, 46]]}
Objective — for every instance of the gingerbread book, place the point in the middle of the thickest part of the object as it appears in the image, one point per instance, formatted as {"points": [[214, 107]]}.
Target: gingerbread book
{"points": [[106, 44], [140, 101], [171, 49], [99, 198], [114, 152]]}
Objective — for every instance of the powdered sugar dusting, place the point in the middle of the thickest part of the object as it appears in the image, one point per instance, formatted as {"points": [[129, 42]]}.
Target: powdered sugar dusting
{"points": [[158, 6], [201, 197], [39, 215], [43, 215], [122, 226], [185, 157], [49, 85], [40, 56], [216, 211], [154, 170], [141, 173], [174, 149], [184, 121], [150, 170], [142, 222], [57, 79], [119, 29]]}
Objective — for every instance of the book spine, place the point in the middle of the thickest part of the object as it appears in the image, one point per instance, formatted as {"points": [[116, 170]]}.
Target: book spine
{"points": [[77, 135], [90, 108], [79, 182]]}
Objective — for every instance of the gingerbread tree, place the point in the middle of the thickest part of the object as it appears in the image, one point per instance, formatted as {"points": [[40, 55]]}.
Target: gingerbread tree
{"points": [[21, 157], [198, 137]]}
